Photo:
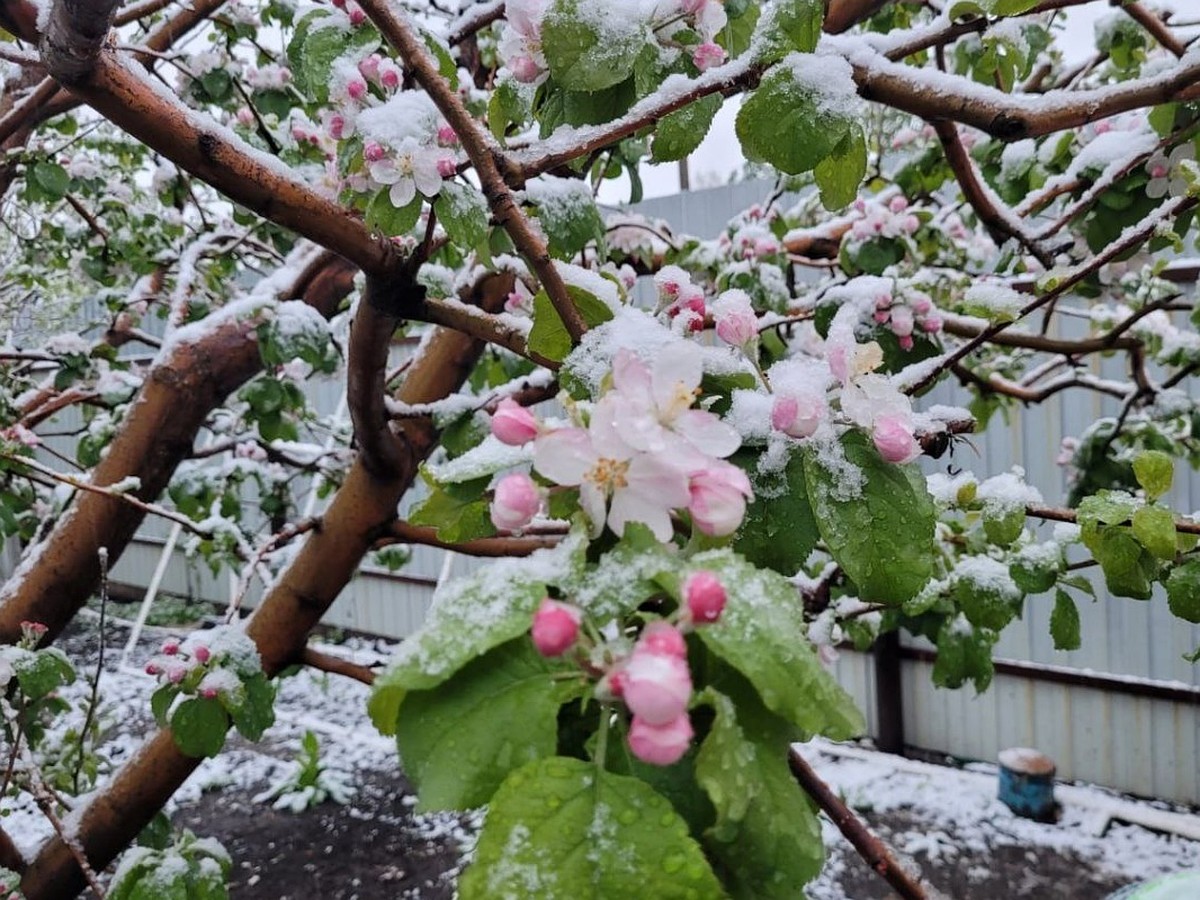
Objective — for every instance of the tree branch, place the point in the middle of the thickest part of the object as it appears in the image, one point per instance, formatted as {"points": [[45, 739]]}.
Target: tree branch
{"points": [[400, 532], [335, 665], [1153, 25], [873, 851]]}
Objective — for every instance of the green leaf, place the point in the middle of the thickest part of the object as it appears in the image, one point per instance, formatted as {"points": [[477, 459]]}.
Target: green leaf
{"points": [[588, 50], [388, 220], [461, 739], [256, 713], [199, 726], [767, 839], [52, 178], [160, 702], [1064, 622], [761, 636], [469, 616], [964, 654], [1183, 591], [459, 511], [312, 53], [549, 337], [883, 539], [779, 531], [1154, 527], [985, 593], [839, 174], [1003, 526], [507, 106], [567, 213], [793, 25], [785, 124], [1154, 471], [560, 829], [463, 211], [969, 8], [41, 672], [1129, 570], [681, 132]]}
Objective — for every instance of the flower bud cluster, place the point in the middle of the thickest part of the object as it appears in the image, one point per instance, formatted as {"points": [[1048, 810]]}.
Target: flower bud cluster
{"points": [[906, 315], [187, 665], [653, 680]]}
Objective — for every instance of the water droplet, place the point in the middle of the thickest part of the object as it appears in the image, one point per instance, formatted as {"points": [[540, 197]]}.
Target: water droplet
{"points": [[628, 817], [673, 863], [666, 820]]}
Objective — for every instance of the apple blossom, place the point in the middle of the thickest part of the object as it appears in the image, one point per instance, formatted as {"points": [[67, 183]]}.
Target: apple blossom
{"points": [[705, 596], [513, 424], [369, 66], [658, 686], [932, 324], [555, 627], [170, 647], [708, 55], [201, 654], [389, 74], [413, 168], [902, 321], [737, 323], [524, 69], [663, 638], [893, 437], [516, 502], [797, 415], [718, 498], [660, 745]]}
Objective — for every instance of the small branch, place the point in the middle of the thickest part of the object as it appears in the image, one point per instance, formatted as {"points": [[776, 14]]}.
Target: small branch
{"points": [[869, 847], [335, 665], [399, 532], [276, 541], [1154, 26], [474, 20], [1057, 514], [45, 802], [145, 507], [94, 699]]}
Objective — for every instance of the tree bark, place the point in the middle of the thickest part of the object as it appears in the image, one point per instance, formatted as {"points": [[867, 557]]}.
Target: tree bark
{"points": [[158, 433], [360, 512]]}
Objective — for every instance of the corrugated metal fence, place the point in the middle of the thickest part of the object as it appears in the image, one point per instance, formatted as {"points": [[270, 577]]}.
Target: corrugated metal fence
{"points": [[1122, 711]]}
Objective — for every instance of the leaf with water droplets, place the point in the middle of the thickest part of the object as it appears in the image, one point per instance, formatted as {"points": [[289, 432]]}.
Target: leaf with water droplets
{"points": [[561, 829]]}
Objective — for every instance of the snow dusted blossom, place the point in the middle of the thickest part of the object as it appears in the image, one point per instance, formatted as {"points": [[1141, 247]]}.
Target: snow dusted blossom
{"points": [[647, 452], [874, 403], [660, 745], [708, 56], [520, 44], [658, 686], [410, 169], [798, 414], [708, 16], [516, 502], [1167, 175], [555, 627], [737, 323]]}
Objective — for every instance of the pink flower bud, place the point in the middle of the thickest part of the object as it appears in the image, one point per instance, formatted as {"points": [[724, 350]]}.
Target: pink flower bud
{"points": [[356, 88], [446, 166], [208, 693], [524, 69], [921, 304], [369, 67], [201, 654], [356, 14], [244, 116], [513, 424], [883, 301], [337, 126], [906, 342], [555, 627], [516, 502], [662, 638], [175, 673], [657, 686], [373, 151], [708, 55], [718, 498], [882, 316], [660, 745], [736, 322], [153, 668], [932, 324], [170, 647], [705, 596], [389, 75], [797, 415], [898, 204], [299, 134], [691, 304], [902, 321], [447, 136], [893, 437], [911, 224]]}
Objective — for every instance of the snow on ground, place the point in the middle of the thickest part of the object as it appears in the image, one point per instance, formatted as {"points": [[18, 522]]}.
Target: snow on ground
{"points": [[943, 820]]}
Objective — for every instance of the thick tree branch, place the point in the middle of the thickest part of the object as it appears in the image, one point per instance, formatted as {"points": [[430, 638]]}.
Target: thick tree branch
{"points": [[362, 508], [158, 433], [10, 856], [873, 851], [75, 31], [335, 665]]}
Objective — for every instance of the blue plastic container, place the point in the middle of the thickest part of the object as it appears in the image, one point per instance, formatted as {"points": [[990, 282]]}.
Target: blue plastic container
{"points": [[1027, 783]]}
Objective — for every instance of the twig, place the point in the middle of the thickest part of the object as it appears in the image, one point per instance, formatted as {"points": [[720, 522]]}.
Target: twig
{"points": [[45, 802], [273, 543], [1154, 26], [869, 847], [94, 699], [336, 665], [1057, 514], [399, 532]]}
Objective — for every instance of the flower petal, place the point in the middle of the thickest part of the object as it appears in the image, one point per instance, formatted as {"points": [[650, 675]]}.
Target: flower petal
{"points": [[564, 456]]}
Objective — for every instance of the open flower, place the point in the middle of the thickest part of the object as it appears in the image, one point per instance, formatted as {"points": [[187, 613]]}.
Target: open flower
{"points": [[412, 168]]}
